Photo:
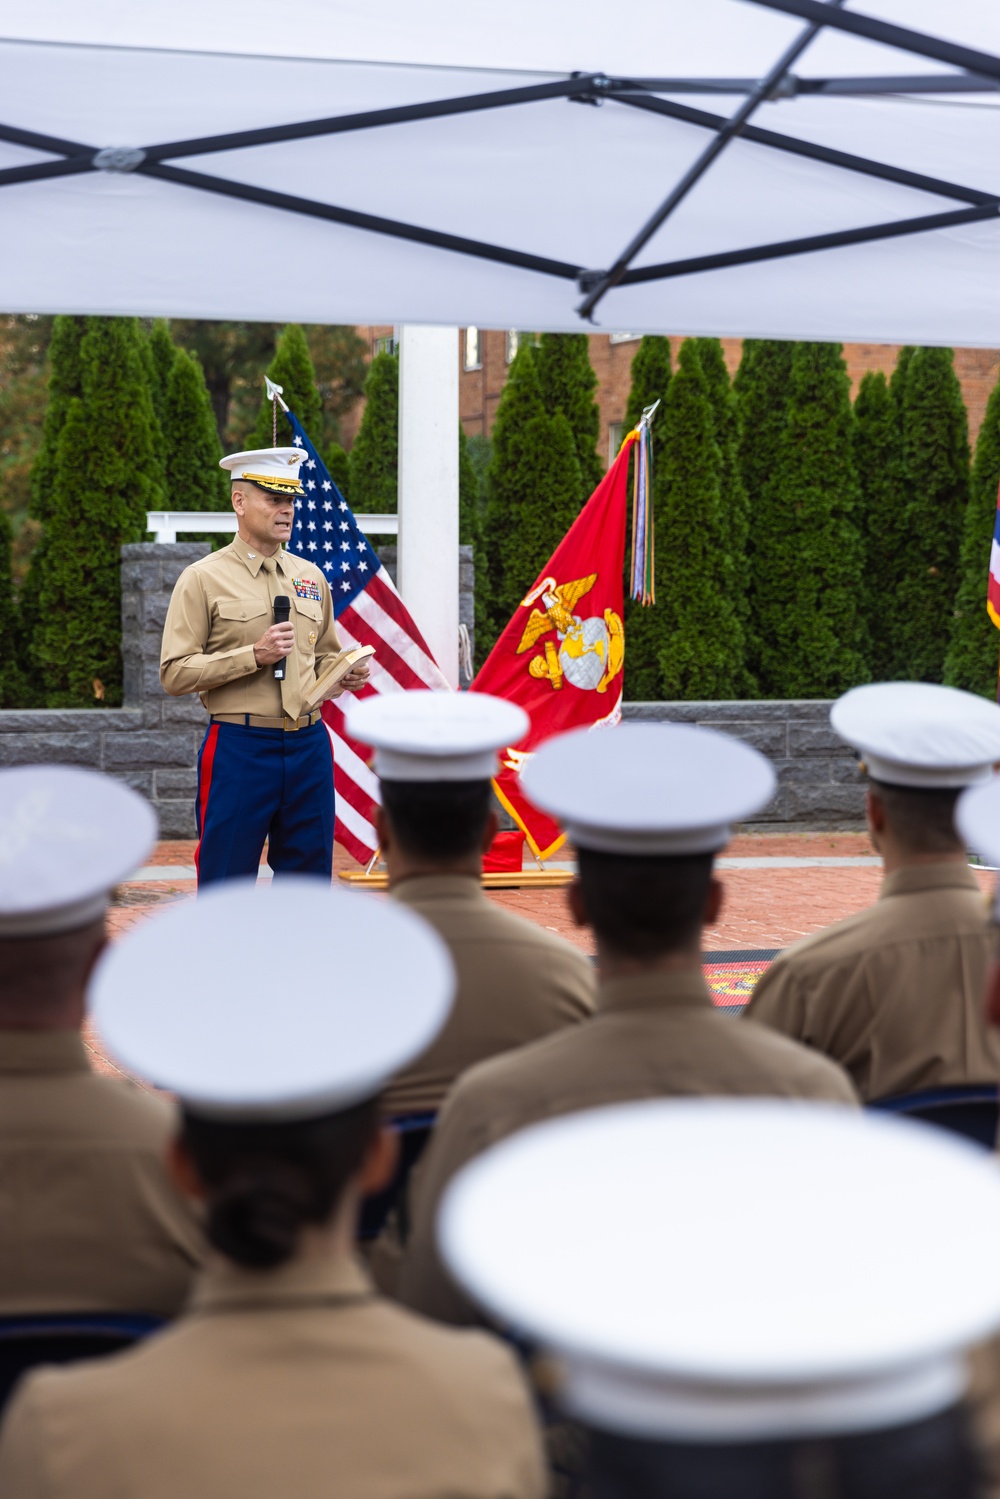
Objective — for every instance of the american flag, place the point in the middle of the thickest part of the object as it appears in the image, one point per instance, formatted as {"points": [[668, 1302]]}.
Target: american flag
{"points": [[368, 611]]}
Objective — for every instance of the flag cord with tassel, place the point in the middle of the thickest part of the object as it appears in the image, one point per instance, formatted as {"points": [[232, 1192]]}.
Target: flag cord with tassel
{"points": [[642, 577]]}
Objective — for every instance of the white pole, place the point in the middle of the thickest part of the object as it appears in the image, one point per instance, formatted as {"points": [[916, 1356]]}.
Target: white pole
{"points": [[428, 487]]}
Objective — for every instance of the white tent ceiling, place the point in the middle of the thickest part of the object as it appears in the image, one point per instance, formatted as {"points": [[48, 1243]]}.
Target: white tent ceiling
{"points": [[559, 186]]}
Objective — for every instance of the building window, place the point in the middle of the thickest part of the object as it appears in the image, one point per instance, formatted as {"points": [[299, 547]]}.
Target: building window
{"points": [[624, 338], [513, 341], [473, 352], [615, 433], [388, 344]]}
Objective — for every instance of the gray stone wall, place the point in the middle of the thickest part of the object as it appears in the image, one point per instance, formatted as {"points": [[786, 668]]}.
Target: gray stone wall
{"points": [[819, 783], [152, 741]]}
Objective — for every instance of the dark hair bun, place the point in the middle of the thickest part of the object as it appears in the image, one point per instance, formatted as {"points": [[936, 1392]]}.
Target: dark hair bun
{"points": [[257, 1217]]}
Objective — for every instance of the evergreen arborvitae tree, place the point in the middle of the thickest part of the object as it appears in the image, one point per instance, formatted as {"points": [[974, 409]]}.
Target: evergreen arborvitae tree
{"points": [[936, 479], [64, 384], [701, 654], [12, 685], [292, 369], [897, 381], [761, 390], [104, 482], [374, 458], [808, 552], [161, 361], [534, 491], [735, 505], [153, 377], [568, 383], [338, 467], [878, 457], [975, 641], [644, 625], [194, 480]]}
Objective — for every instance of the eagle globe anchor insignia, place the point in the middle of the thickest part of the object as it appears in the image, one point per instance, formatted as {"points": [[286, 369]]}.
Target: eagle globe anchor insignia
{"points": [[589, 653]]}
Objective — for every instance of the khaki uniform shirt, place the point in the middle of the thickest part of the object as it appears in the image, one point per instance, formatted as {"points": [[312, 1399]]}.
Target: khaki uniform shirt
{"points": [[516, 983], [90, 1220], [220, 608], [297, 1383], [894, 993], [655, 1035]]}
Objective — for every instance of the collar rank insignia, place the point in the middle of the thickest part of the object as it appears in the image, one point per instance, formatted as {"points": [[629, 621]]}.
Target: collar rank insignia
{"points": [[308, 588]]}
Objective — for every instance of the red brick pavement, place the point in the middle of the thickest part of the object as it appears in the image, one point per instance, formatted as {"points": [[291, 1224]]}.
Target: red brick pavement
{"points": [[764, 908]]}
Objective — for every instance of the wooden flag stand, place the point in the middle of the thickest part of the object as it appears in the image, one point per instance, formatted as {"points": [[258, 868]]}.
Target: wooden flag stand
{"points": [[514, 879]]}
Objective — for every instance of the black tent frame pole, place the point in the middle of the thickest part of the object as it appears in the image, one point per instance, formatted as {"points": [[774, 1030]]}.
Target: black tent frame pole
{"points": [[894, 229], [597, 284], [890, 35]]}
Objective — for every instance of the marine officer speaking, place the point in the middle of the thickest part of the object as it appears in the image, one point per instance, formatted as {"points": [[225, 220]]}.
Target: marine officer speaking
{"points": [[265, 769]]}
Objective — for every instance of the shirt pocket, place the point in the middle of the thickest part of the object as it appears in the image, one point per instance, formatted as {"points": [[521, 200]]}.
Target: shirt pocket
{"points": [[308, 624], [239, 622]]}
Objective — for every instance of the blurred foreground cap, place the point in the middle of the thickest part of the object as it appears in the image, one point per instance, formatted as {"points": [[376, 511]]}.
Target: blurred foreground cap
{"points": [[281, 1003], [67, 837], [977, 818], [649, 788], [724, 1270], [436, 736], [918, 734]]}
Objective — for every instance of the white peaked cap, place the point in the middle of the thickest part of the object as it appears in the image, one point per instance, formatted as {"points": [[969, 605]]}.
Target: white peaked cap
{"points": [[649, 788], [865, 1262], [273, 469], [436, 736], [977, 818], [918, 734], [210, 1002], [67, 837]]}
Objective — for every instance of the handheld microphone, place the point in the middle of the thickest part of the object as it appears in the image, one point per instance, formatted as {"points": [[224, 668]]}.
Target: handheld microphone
{"points": [[282, 609]]}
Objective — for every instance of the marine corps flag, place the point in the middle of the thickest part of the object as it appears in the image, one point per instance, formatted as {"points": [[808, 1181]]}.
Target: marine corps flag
{"points": [[562, 654]]}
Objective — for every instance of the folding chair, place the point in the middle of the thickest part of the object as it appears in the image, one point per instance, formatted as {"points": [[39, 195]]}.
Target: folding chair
{"points": [[972, 1111], [64, 1337], [414, 1131]]}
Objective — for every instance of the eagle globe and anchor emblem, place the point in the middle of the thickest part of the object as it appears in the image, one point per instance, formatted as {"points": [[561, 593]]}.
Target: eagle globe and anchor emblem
{"points": [[588, 653]]}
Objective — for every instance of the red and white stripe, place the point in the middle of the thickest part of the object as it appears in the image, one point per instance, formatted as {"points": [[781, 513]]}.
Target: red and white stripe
{"points": [[402, 663]]}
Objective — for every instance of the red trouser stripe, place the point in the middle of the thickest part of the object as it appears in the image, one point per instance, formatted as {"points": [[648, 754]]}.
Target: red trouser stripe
{"points": [[204, 785]]}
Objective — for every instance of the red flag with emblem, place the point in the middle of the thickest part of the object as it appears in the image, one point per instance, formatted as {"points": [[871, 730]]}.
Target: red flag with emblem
{"points": [[562, 654]]}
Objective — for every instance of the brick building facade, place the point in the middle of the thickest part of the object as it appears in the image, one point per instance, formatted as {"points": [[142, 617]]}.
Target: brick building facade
{"points": [[485, 354]]}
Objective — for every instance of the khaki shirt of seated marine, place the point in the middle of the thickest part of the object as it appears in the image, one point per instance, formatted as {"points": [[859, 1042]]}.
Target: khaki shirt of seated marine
{"points": [[91, 1221], [517, 982], [655, 1035], [895, 992], [297, 1383], [221, 606]]}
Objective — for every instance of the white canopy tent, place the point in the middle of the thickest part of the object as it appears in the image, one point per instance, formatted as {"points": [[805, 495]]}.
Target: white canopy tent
{"points": [[321, 169], [788, 168]]}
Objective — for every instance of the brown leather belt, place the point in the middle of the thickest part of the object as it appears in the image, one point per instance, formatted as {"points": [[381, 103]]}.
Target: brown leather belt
{"points": [[258, 721]]}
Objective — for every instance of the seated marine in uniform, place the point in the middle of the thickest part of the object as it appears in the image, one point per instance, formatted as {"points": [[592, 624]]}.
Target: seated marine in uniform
{"points": [[91, 1221], [288, 1375], [895, 992], [647, 808], [435, 753]]}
